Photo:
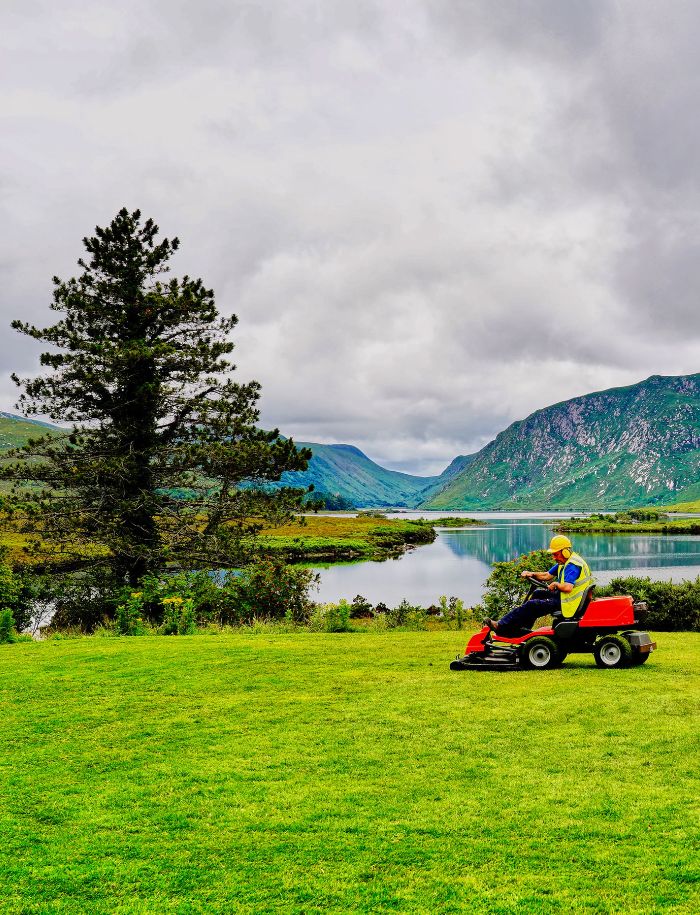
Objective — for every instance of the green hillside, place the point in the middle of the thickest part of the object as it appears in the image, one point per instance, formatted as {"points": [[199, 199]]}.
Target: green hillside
{"points": [[631, 446], [346, 471], [16, 431]]}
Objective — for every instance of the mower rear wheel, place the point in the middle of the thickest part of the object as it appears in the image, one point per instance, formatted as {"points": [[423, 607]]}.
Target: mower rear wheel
{"points": [[539, 653], [612, 651], [639, 657]]}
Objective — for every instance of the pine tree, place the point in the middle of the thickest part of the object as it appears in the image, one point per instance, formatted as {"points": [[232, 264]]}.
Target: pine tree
{"points": [[164, 462]]}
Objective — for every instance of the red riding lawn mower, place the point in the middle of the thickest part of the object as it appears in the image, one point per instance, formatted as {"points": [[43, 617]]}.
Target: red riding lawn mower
{"points": [[602, 627]]}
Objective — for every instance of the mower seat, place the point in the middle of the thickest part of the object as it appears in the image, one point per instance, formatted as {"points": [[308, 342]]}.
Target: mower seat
{"points": [[565, 626]]}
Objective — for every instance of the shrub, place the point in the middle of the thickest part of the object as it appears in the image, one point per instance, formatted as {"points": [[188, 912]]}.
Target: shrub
{"points": [[7, 626], [17, 591], [407, 616], [75, 602], [164, 597], [360, 608], [330, 617], [128, 619], [178, 616], [453, 611], [267, 589]]}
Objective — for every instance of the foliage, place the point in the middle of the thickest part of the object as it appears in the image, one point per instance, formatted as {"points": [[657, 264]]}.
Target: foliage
{"points": [[138, 367], [267, 589], [406, 616], [505, 588], [672, 607], [318, 501], [7, 626], [198, 590], [17, 592], [634, 521], [331, 617], [451, 521], [128, 619], [178, 616], [452, 611], [369, 535], [81, 601], [361, 608]]}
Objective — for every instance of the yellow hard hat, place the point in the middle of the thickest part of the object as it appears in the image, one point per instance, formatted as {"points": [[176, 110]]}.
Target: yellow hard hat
{"points": [[560, 542]]}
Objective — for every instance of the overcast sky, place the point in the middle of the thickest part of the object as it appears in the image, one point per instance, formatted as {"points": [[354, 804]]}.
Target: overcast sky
{"points": [[432, 217]]}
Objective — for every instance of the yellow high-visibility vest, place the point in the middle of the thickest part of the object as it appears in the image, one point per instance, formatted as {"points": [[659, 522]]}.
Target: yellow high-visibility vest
{"points": [[570, 602]]}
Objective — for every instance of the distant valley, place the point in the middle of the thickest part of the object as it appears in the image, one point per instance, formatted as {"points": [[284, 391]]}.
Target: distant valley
{"points": [[623, 447]]}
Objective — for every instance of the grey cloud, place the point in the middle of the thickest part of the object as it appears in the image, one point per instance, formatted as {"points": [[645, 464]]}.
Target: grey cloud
{"points": [[430, 220], [547, 28]]}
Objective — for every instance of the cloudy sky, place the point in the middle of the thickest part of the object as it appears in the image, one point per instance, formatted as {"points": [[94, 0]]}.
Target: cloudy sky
{"points": [[431, 216]]}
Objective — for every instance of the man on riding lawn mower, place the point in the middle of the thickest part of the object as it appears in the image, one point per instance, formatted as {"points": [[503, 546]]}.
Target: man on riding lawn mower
{"points": [[567, 582]]}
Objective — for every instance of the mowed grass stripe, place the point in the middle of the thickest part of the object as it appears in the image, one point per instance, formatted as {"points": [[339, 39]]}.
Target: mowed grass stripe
{"points": [[344, 773]]}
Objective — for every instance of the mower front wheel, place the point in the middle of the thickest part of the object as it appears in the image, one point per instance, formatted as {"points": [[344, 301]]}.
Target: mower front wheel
{"points": [[612, 651], [539, 653]]}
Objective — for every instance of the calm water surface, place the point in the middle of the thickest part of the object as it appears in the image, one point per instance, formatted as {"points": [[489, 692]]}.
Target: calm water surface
{"points": [[459, 561]]}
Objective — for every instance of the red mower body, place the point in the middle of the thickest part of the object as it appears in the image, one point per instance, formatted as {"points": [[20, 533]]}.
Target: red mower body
{"points": [[609, 611]]}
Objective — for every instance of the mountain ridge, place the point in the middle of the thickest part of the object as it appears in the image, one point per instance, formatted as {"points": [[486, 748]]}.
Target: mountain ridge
{"points": [[620, 447]]}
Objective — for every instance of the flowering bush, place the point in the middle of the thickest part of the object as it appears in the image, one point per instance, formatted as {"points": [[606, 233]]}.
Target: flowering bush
{"points": [[178, 616], [128, 619]]}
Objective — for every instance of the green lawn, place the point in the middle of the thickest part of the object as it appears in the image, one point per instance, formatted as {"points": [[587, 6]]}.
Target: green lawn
{"points": [[307, 773]]}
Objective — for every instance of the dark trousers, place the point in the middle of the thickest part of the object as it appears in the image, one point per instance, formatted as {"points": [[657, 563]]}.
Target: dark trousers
{"points": [[541, 603]]}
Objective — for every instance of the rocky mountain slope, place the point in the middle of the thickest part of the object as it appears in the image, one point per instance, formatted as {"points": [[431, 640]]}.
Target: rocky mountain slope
{"points": [[637, 445]]}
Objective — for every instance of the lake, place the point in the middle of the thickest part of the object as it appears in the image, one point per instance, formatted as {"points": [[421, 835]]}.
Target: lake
{"points": [[459, 561]]}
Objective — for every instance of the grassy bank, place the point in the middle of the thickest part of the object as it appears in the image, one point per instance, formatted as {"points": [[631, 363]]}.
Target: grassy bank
{"points": [[336, 538], [319, 537], [623, 524], [344, 773], [685, 507]]}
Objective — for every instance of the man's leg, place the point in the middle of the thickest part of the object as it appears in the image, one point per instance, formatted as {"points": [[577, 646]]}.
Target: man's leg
{"points": [[524, 616]]}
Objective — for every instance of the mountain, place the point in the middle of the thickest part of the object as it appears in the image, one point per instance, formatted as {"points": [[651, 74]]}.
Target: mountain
{"points": [[637, 445], [344, 470]]}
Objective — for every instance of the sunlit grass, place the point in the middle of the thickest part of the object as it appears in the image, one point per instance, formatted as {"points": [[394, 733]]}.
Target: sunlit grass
{"points": [[291, 773]]}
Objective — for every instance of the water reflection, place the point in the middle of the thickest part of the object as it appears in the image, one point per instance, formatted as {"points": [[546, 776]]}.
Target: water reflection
{"points": [[460, 560], [603, 551]]}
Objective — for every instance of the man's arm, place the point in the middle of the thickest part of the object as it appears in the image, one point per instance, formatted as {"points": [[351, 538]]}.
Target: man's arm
{"points": [[566, 586], [538, 576], [562, 586]]}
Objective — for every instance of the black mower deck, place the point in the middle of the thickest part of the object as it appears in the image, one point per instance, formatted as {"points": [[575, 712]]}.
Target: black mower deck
{"points": [[492, 664], [496, 659]]}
